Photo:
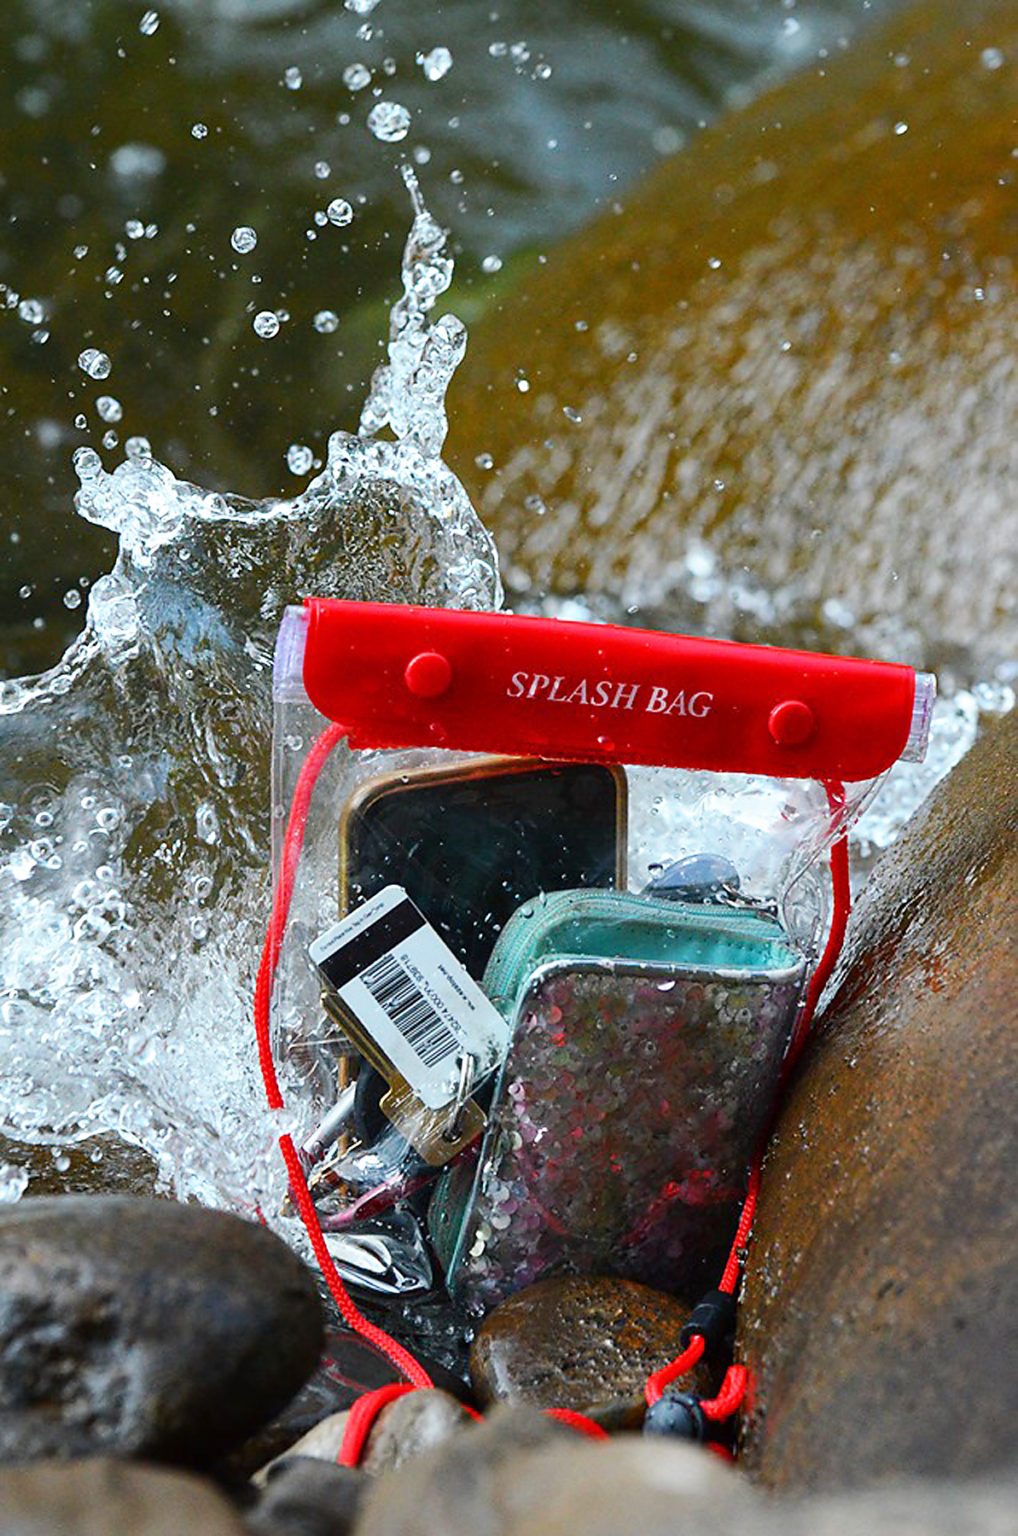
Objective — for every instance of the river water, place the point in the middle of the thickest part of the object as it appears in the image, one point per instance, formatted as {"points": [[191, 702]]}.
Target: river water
{"points": [[134, 140], [202, 241]]}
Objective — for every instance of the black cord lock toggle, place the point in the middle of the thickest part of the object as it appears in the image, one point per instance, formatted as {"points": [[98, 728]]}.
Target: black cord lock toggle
{"points": [[713, 1318], [676, 1413]]}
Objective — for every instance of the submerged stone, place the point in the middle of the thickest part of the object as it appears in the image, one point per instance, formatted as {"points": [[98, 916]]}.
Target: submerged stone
{"points": [[773, 389], [880, 1315], [144, 1328], [588, 1344]]}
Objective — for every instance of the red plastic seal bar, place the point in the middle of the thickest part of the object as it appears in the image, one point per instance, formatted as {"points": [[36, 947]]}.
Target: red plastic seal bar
{"points": [[397, 676]]}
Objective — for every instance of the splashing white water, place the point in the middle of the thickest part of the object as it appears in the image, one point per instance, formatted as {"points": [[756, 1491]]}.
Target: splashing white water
{"points": [[134, 836]]}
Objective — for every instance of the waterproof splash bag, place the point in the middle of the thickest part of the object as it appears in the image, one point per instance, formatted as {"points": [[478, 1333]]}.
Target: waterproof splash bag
{"points": [[552, 909]]}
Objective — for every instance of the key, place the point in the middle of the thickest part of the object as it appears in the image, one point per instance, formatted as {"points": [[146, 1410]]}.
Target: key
{"points": [[436, 1134]]}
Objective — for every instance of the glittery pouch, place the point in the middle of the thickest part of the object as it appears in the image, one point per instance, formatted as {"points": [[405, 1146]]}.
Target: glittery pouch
{"points": [[647, 1041]]}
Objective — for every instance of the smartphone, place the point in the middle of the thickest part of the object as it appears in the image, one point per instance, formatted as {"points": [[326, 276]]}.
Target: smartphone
{"points": [[470, 842]]}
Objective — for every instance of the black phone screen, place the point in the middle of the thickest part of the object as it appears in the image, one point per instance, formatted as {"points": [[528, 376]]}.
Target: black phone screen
{"points": [[470, 849]]}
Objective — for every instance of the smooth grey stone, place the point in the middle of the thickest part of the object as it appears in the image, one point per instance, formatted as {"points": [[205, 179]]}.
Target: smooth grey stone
{"points": [[145, 1328], [305, 1496]]}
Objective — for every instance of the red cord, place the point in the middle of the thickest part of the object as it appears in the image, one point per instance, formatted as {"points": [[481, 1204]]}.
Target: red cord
{"points": [[362, 1416], [729, 1400], [366, 1409], [292, 844], [579, 1422], [400, 1357], [655, 1386]]}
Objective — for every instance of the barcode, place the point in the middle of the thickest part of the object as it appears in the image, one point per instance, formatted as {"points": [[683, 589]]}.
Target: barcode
{"points": [[398, 995]]}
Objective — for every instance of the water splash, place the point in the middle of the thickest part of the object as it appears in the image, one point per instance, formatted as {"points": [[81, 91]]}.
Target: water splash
{"points": [[134, 836]]}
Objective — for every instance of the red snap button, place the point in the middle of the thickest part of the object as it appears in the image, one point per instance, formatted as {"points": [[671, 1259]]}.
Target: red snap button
{"points": [[791, 723], [428, 674]]}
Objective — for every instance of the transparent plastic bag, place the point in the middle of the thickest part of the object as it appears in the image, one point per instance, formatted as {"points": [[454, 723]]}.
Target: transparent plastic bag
{"points": [[660, 809]]}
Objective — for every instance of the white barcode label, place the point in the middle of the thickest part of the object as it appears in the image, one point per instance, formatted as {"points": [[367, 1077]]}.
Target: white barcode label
{"points": [[408, 991]]}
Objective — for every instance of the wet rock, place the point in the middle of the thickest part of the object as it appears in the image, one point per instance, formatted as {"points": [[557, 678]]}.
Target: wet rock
{"points": [[98, 1165], [101, 1497], [410, 1426], [583, 1343], [880, 1316], [307, 1497], [522, 1473], [321, 1443], [145, 1328], [656, 1489], [784, 361], [349, 1366]]}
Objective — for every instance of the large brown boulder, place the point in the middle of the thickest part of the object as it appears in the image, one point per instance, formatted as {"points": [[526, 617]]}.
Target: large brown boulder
{"points": [[880, 1316], [794, 345]]}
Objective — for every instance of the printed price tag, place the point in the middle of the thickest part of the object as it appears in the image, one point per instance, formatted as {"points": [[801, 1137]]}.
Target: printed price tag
{"points": [[401, 986]]}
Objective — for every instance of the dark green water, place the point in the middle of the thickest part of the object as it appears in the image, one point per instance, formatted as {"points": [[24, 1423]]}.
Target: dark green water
{"points": [[117, 219]]}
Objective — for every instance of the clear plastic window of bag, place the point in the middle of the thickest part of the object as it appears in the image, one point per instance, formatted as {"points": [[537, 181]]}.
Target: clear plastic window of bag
{"points": [[531, 1011]]}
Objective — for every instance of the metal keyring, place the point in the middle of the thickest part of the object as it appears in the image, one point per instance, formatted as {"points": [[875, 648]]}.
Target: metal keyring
{"points": [[468, 1067]]}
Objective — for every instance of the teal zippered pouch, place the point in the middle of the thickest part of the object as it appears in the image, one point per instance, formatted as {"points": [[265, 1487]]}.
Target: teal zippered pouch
{"points": [[647, 1036]]}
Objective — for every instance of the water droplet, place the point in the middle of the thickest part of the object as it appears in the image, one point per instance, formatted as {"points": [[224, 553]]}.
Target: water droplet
{"points": [[137, 161], [113, 276], [199, 131], [572, 413], [207, 822], [542, 72], [265, 324], [356, 77], [523, 385], [299, 458], [389, 121], [134, 229], [110, 439], [109, 408], [491, 264], [322, 169], [484, 461], [244, 239], [326, 321], [149, 23], [900, 128], [790, 26], [339, 211], [95, 363], [714, 262], [31, 311], [138, 450], [991, 58], [292, 78], [435, 64], [360, 7]]}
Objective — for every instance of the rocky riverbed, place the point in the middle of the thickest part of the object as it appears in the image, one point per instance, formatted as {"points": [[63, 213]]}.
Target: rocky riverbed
{"points": [[165, 1366]]}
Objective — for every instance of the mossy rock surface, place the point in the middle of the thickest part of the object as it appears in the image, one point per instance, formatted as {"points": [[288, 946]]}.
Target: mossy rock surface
{"points": [[792, 347]]}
